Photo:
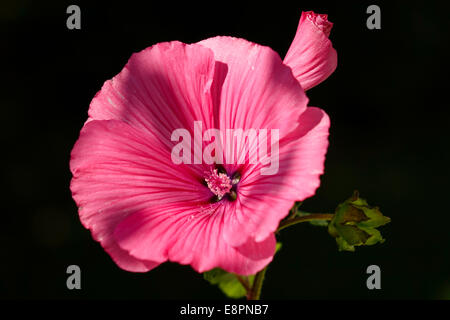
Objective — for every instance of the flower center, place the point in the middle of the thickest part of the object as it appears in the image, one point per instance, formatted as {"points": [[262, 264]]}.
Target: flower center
{"points": [[218, 183]]}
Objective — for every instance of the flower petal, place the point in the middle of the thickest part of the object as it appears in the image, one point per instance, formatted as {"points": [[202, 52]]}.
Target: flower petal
{"points": [[311, 55], [191, 235], [118, 170], [302, 158], [263, 200], [162, 88], [124, 260], [258, 90]]}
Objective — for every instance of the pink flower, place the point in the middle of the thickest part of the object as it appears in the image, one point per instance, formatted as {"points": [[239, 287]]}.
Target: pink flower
{"points": [[143, 208]]}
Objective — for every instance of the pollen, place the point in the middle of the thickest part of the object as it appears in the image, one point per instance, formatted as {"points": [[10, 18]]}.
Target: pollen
{"points": [[218, 183]]}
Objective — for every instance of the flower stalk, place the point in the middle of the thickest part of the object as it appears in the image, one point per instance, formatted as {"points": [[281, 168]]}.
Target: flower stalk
{"points": [[255, 291], [305, 218]]}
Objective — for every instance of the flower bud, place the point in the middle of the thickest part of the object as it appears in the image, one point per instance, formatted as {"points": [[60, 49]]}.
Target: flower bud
{"points": [[355, 223]]}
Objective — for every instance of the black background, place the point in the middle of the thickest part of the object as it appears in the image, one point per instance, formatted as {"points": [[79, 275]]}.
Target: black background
{"points": [[389, 113]]}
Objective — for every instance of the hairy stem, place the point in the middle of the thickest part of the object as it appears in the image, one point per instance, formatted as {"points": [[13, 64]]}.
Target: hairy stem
{"points": [[309, 217]]}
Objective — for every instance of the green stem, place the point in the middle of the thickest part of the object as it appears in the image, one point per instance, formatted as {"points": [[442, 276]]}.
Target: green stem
{"points": [[255, 292], [309, 217]]}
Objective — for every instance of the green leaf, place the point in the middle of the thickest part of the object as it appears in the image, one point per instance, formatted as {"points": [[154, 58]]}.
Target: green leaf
{"points": [[227, 282]]}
